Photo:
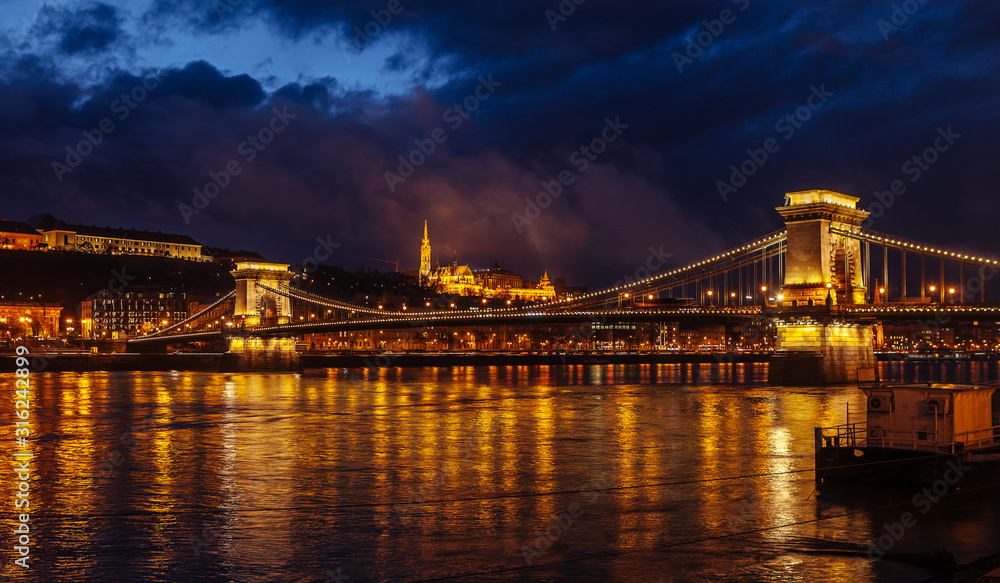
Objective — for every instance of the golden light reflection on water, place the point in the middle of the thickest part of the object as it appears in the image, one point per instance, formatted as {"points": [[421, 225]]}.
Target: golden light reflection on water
{"points": [[249, 443]]}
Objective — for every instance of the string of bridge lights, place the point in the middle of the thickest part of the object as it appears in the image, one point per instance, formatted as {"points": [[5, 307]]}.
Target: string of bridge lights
{"points": [[771, 239], [875, 237], [765, 241]]}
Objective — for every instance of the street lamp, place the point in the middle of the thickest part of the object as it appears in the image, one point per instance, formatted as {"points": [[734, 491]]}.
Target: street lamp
{"points": [[709, 297]]}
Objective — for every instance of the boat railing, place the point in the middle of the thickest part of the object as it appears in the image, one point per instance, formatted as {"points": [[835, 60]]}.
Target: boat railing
{"points": [[859, 435], [846, 435], [979, 439], [912, 438]]}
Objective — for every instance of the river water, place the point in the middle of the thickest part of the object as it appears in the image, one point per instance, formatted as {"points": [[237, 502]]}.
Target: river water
{"points": [[642, 473]]}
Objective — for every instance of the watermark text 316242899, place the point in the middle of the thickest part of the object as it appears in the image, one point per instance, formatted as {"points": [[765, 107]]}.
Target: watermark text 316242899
{"points": [[22, 458]]}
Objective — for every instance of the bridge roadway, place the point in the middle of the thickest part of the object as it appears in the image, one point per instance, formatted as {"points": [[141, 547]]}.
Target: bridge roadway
{"points": [[927, 314]]}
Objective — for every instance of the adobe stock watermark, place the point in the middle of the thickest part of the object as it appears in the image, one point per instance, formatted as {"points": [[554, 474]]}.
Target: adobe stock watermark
{"points": [[561, 522], [454, 117], [786, 127], [224, 6], [123, 107], [655, 261], [364, 35], [581, 159], [249, 149], [336, 576], [19, 34], [914, 168], [899, 17], [431, 485], [562, 12], [321, 253], [973, 285], [922, 501], [212, 531], [711, 31]]}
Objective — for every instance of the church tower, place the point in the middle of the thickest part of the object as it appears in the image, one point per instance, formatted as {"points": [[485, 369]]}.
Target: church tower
{"points": [[425, 257]]}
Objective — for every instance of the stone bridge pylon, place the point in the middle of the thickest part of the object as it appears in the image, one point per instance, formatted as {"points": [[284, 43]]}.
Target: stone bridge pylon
{"points": [[255, 305], [823, 269]]}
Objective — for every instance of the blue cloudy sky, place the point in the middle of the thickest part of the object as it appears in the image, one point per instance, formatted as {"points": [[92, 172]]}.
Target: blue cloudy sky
{"points": [[867, 86]]}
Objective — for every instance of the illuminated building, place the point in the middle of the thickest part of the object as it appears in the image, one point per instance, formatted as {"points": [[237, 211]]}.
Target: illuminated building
{"points": [[17, 235], [60, 235], [36, 319], [461, 280], [131, 313]]}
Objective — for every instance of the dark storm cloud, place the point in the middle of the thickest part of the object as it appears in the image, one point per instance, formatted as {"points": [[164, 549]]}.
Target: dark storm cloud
{"points": [[655, 186], [94, 28]]}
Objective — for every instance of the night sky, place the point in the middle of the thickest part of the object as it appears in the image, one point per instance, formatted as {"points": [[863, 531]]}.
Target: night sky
{"points": [[664, 97]]}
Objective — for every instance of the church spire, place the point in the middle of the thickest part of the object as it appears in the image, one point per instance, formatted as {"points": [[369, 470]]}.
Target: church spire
{"points": [[425, 256]]}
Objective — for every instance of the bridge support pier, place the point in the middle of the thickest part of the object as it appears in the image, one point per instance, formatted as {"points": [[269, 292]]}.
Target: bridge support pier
{"points": [[254, 354], [811, 353]]}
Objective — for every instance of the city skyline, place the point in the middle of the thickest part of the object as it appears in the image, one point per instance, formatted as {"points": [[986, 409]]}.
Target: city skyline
{"points": [[576, 141]]}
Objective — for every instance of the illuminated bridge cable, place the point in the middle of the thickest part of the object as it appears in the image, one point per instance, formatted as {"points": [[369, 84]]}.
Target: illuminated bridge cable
{"points": [[512, 495], [901, 244], [695, 271], [687, 542], [728, 260], [179, 325]]}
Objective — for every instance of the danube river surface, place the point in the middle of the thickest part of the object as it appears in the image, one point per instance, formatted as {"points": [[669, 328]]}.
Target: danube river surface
{"points": [[642, 473]]}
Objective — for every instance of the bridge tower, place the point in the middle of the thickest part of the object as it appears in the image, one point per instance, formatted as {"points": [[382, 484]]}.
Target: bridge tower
{"points": [[816, 256], [256, 305], [823, 269]]}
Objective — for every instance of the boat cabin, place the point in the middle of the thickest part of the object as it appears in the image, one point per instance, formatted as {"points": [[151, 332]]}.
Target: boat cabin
{"points": [[938, 417]]}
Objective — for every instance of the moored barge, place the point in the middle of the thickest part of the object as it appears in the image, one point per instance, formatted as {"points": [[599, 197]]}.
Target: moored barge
{"points": [[914, 435]]}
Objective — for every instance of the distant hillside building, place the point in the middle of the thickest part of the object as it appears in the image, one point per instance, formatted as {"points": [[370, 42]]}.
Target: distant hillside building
{"points": [[58, 234], [18, 235], [460, 280]]}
